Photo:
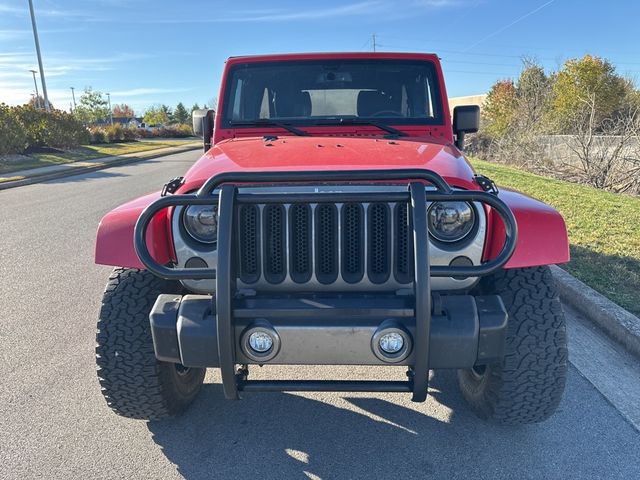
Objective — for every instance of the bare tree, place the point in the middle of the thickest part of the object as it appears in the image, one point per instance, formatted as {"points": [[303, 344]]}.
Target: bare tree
{"points": [[607, 152]]}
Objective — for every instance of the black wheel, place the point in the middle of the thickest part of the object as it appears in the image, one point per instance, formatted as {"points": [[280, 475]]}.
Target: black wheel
{"points": [[527, 386], [134, 383]]}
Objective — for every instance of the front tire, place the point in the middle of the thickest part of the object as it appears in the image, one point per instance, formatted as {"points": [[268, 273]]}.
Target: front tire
{"points": [[527, 386], [134, 383]]}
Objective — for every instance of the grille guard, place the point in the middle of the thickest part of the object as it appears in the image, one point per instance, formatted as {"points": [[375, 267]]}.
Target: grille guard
{"points": [[416, 197]]}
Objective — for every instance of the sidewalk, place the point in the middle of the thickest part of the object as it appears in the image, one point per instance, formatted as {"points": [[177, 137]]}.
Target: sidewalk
{"points": [[41, 174]]}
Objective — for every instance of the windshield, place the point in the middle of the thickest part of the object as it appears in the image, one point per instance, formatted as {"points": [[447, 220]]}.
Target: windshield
{"points": [[325, 92]]}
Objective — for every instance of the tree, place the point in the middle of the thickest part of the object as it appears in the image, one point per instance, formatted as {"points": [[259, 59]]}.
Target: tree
{"points": [[38, 102], [123, 110], [589, 79], [608, 153], [91, 107], [499, 107], [180, 114], [156, 115], [195, 107], [167, 111], [533, 93]]}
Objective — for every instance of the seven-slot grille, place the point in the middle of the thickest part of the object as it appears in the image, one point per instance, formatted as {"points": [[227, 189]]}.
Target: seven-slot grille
{"points": [[325, 244]]}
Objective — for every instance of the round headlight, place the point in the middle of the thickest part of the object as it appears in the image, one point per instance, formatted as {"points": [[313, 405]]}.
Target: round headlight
{"points": [[451, 221], [201, 222]]}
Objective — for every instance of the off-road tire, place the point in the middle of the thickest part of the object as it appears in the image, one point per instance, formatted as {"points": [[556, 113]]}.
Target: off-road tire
{"points": [[527, 386], [134, 383]]}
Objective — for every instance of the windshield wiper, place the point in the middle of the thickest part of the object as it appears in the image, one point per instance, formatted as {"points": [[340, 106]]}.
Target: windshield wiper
{"points": [[361, 121], [266, 122]]}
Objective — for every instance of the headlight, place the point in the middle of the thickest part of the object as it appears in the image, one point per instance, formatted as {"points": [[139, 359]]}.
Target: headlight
{"points": [[451, 221], [201, 222]]}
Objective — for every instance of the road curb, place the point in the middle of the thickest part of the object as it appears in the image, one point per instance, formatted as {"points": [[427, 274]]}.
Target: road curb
{"points": [[620, 324], [68, 172]]}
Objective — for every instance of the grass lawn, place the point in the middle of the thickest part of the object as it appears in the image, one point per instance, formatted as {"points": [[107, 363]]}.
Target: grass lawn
{"points": [[604, 230], [87, 152]]}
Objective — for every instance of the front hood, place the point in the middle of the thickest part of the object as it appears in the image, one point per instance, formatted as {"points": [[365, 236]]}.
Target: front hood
{"points": [[289, 153]]}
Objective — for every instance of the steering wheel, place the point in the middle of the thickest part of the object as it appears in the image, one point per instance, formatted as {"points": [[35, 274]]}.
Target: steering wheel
{"points": [[387, 113]]}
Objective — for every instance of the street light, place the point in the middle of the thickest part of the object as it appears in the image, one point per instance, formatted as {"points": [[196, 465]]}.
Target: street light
{"points": [[35, 37], [110, 112], [36, 84], [73, 95]]}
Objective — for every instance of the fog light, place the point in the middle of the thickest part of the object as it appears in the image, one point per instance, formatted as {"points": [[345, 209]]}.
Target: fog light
{"points": [[260, 342], [391, 342]]}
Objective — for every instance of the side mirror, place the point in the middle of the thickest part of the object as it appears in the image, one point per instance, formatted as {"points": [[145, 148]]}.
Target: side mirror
{"points": [[203, 121], [466, 119]]}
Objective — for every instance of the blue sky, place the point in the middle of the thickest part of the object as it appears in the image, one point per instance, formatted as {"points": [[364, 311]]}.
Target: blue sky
{"points": [[149, 52]]}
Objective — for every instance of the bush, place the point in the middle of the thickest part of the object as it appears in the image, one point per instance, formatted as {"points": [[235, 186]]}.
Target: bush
{"points": [[129, 134], [114, 133], [13, 138], [23, 128], [172, 131], [98, 135]]}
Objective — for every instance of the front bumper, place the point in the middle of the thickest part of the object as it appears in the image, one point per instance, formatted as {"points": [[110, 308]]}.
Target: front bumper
{"points": [[455, 331], [465, 330]]}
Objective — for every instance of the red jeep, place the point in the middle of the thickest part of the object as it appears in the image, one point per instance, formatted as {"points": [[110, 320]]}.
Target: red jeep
{"points": [[333, 221]]}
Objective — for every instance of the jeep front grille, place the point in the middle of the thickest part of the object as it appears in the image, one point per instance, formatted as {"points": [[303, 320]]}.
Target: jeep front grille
{"points": [[324, 245]]}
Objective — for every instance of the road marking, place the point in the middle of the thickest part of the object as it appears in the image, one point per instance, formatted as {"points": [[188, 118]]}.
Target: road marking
{"points": [[613, 371]]}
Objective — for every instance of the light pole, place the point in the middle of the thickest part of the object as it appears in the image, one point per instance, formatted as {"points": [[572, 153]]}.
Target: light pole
{"points": [[110, 112], [35, 37], [73, 95], [36, 84]]}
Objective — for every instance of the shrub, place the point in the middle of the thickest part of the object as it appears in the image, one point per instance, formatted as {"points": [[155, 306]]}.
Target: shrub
{"points": [[13, 138], [98, 135], [129, 134], [24, 127], [114, 133], [142, 133]]}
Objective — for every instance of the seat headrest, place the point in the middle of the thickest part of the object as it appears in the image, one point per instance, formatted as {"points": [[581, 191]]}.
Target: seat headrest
{"points": [[293, 104], [373, 101]]}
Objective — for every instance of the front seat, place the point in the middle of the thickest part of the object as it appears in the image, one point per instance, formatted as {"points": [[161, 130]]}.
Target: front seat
{"points": [[374, 101], [295, 104]]}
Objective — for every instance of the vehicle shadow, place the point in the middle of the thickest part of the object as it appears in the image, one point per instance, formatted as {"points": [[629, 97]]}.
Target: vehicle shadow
{"points": [[280, 435]]}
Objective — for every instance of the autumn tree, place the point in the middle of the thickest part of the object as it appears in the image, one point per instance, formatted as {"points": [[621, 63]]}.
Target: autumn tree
{"points": [[123, 110], [499, 107], [180, 114], [92, 106], [582, 82], [156, 115]]}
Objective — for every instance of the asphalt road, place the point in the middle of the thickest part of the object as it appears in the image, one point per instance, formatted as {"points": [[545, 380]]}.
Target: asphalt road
{"points": [[54, 422]]}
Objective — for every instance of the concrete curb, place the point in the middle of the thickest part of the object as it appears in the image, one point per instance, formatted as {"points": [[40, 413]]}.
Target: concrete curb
{"points": [[109, 162], [618, 323]]}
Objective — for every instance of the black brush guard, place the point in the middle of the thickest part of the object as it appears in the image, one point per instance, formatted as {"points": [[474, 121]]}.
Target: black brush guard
{"points": [[416, 196]]}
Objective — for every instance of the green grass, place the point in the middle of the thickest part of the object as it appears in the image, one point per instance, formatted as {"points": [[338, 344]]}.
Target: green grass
{"points": [[87, 152], [604, 230]]}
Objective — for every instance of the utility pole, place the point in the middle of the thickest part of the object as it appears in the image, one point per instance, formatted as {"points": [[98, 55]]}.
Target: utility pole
{"points": [[36, 84], [35, 37], [110, 112], [73, 95], [374, 42]]}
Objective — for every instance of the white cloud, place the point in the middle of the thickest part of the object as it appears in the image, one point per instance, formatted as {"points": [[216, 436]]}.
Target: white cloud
{"points": [[354, 9], [137, 92]]}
